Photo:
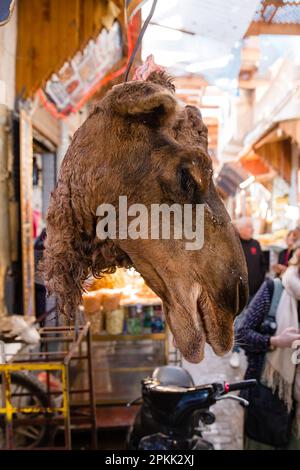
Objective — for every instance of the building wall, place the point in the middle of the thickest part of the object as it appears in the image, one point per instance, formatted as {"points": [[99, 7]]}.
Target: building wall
{"points": [[279, 101], [8, 44], [253, 112], [237, 122]]}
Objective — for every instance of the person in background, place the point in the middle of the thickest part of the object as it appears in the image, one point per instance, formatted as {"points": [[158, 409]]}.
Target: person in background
{"points": [[39, 285], [297, 233], [269, 353], [257, 269], [285, 255]]}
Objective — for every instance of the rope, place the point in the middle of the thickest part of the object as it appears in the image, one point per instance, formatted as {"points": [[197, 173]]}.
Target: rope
{"points": [[139, 40]]}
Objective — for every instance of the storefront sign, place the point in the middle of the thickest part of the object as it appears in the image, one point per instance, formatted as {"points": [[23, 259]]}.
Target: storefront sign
{"points": [[26, 171], [77, 78]]}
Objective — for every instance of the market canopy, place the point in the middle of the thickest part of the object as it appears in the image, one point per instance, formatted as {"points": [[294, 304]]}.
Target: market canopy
{"points": [[199, 37], [272, 150]]}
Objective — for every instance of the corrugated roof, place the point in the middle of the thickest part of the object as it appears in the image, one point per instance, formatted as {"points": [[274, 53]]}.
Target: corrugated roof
{"points": [[278, 12], [222, 21]]}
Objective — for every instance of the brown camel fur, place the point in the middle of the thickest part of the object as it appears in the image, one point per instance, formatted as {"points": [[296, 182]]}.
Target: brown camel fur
{"points": [[140, 142]]}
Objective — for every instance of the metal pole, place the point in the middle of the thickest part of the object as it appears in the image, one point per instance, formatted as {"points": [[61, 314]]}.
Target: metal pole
{"points": [[91, 391], [4, 207], [9, 414], [2, 361], [2, 353], [66, 406]]}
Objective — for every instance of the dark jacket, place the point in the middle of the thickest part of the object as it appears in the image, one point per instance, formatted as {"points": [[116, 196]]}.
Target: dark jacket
{"points": [[256, 344], [252, 341], [285, 256], [256, 264]]}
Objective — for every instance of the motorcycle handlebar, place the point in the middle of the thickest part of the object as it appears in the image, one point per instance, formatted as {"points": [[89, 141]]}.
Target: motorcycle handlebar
{"points": [[219, 388], [203, 396], [244, 384]]}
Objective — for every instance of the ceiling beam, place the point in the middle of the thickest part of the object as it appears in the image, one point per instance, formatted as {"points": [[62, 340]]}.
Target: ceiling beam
{"points": [[272, 15], [257, 28], [277, 3], [252, 83]]}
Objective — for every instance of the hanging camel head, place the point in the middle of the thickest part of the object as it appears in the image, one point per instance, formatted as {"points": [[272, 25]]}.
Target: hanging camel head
{"points": [[140, 143]]}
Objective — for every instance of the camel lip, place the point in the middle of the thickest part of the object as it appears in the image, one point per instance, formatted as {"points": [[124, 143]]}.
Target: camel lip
{"points": [[202, 319], [204, 315], [195, 337], [198, 356], [212, 327]]}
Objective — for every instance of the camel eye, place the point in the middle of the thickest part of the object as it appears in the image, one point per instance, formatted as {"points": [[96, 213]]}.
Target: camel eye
{"points": [[186, 180], [189, 186]]}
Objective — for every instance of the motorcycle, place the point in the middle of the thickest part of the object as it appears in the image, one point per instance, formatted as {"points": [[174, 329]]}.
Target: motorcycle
{"points": [[174, 410]]}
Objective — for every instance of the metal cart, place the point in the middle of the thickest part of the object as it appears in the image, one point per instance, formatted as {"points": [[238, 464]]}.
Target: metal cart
{"points": [[62, 352]]}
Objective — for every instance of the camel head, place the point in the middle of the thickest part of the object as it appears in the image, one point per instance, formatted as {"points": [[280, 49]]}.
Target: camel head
{"points": [[139, 142]]}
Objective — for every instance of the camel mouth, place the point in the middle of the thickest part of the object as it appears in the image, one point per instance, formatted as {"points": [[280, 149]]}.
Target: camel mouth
{"points": [[189, 337], [206, 324], [193, 315]]}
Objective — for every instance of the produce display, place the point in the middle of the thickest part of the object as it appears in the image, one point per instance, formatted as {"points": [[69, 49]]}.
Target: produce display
{"points": [[123, 304]]}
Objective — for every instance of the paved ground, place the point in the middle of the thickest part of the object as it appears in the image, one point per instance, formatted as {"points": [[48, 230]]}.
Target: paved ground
{"points": [[226, 432]]}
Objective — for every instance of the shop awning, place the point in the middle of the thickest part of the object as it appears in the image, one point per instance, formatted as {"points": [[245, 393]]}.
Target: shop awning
{"points": [[230, 177], [52, 31], [254, 164], [291, 128], [274, 134], [272, 150]]}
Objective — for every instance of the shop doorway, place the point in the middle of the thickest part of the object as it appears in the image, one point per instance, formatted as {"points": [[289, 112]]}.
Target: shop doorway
{"points": [[44, 171], [43, 183]]}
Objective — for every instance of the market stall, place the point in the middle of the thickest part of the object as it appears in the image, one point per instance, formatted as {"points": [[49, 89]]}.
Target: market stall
{"points": [[129, 333], [272, 197]]}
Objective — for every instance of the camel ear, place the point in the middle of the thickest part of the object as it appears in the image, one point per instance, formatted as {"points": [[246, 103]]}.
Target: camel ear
{"points": [[144, 101]]}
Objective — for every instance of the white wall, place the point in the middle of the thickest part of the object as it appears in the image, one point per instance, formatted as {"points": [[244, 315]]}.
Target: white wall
{"points": [[8, 45], [253, 112], [279, 99], [237, 122]]}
